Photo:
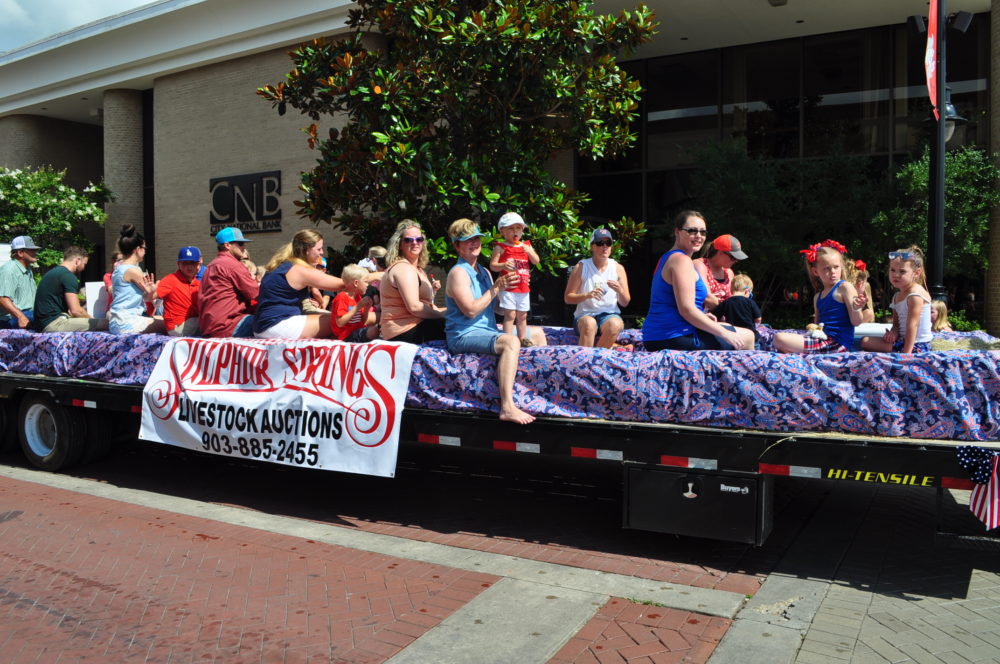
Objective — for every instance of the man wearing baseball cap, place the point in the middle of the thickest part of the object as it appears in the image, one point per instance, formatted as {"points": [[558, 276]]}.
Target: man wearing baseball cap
{"points": [[227, 291], [179, 292], [17, 284]]}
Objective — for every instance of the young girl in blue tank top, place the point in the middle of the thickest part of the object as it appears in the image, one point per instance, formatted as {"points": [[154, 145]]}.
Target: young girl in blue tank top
{"points": [[911, 306], [836, 305]]}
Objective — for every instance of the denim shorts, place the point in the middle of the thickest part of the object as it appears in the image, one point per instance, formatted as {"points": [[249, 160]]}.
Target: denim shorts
{"points": [[479, 341], [600, 318], [698, 340]]}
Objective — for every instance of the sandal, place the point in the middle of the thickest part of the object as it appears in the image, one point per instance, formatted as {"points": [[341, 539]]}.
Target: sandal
{"points": [[526, 343]]}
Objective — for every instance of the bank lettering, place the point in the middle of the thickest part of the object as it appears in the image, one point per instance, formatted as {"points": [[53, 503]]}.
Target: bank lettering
{"points": [[250, 202]]}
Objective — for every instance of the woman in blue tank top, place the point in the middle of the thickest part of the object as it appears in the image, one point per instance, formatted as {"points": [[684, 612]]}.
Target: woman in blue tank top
{"points": [[290, 274], [675, 320], [470, 324]]}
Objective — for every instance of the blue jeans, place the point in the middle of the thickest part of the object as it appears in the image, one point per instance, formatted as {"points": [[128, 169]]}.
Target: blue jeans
{"points": [[244, 329], [10, 323]]}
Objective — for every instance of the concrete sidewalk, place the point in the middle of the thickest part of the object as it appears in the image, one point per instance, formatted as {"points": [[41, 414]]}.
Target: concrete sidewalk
{"points": [[95, 572]]}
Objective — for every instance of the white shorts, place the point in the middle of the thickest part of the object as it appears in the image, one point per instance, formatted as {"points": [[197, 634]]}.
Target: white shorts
{"points": [[515, 301], [290, 328]]}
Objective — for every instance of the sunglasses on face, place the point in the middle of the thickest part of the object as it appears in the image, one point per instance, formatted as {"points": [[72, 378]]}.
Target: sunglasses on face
{"points": [[696, 231], [901, 255], [240, 244], [602, 243], [414, 240]]}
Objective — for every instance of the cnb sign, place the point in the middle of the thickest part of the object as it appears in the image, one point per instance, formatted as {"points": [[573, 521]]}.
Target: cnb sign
{"points": [[248, 202]]}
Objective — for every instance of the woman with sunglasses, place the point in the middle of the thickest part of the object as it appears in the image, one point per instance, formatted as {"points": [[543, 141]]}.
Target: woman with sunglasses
{"points": [[598, 286], [675, 320], [406, 292]]}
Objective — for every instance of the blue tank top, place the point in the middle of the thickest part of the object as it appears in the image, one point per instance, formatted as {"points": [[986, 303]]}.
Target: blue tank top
{"points": [[836, 319], [664, 320], [456, 323], [277, 300], [127, 297]]}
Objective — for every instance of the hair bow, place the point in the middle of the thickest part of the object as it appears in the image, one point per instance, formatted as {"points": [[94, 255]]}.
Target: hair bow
{"points": [[861, 265], [833, 244], [810, 252]]}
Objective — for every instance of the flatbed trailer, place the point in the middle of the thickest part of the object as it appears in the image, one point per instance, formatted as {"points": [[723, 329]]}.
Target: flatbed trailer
{"points": [[681, 479]]}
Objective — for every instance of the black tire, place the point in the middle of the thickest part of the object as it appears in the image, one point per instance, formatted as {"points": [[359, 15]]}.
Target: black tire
{"points": [[53, 437]]}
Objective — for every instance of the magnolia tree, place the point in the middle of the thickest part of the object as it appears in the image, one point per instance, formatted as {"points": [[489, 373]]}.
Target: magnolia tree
{"points": [[456, 112], [39, 204]]}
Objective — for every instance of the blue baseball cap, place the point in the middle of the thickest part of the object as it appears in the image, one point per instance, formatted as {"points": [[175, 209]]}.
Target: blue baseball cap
{"points": [[475, 233], [189, 255], [230, 234]]}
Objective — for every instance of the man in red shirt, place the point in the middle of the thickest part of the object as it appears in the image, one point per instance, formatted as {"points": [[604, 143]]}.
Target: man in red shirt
{"points": [[227, 290], [179, 292]]}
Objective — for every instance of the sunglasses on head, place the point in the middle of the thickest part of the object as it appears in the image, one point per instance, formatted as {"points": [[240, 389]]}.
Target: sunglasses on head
{"points": [[901, 255], [603, 243], [696, 231], [414, 240]]}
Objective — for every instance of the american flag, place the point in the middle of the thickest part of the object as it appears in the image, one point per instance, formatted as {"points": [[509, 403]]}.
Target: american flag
{"points": [[983, 466]]}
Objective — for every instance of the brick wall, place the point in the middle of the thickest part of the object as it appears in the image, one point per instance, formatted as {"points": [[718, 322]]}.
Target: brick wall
{"points": [[210, 123], [123, 162]]}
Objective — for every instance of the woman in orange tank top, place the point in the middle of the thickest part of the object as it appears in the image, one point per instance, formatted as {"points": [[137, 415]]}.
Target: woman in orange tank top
{"points": [[407, 292]]}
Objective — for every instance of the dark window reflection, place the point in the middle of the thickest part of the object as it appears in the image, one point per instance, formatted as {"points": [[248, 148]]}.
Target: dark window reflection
{"points": [[761, 97], [845, 95], [682, 107]]}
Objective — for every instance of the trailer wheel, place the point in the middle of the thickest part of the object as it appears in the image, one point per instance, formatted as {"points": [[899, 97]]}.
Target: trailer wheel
{"points": [[52, 437]]}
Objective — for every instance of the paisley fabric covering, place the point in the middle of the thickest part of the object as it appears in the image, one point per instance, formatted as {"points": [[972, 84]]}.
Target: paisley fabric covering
{"points": [[941, 394]]}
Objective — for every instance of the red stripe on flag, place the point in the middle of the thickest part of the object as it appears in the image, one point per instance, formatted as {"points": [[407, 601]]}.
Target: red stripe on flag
{"points": [[584, 452], [957, 483], [508, 445], [773, 469], [678, 461], [985, 499], [428, 438]]}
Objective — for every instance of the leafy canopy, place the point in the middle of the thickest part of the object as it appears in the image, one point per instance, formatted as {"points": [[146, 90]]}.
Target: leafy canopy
{"points": [[453, 108], [970, 192], [39, 204]]}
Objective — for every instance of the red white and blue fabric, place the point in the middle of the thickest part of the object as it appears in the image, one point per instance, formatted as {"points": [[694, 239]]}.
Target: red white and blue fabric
{"points": [[952, 395], [981, 464]]}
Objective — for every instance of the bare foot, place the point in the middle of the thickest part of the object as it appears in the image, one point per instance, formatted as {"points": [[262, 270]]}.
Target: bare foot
{"points": [[516, 415]]}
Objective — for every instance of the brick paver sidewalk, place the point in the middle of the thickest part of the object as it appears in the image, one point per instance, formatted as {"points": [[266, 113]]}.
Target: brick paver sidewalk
{"points": [[87, 579]]}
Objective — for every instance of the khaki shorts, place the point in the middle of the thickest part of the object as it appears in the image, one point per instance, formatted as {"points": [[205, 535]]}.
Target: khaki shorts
{"points": [[188, 328], [65, 323]]}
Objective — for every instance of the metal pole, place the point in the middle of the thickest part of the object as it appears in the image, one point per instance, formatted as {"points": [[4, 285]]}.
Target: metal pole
{"points": [[935, 212]]}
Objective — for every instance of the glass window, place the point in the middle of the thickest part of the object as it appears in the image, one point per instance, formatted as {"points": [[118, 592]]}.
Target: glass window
{"points": [[682, 107], [845, 93], [760, 92], [612, 196]]}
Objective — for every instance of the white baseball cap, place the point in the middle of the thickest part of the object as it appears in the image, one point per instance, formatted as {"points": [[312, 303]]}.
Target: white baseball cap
{"points": [[509, 219]]}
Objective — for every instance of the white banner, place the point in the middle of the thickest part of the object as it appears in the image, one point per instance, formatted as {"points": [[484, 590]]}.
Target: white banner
{"points": [[310, 403]]}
